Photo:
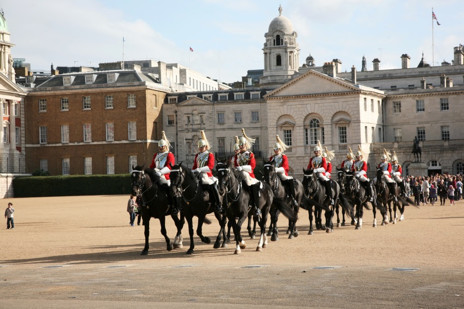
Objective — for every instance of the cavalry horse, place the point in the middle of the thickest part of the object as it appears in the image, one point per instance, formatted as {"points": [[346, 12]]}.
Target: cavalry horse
{"points": [[192, 200], [237, 204], [282, 201], [145, 185], [356, 193], [315, 191]]}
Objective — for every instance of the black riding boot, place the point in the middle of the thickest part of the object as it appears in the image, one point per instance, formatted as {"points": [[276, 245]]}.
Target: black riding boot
{"points": [[290, 188], [167, 190], [369, 191], [392, 187], [213, 189], [255, 198], [328, 190], [402, 187]]}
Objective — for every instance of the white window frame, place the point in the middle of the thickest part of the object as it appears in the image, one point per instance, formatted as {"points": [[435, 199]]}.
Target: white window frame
{"points": [[42, 135], [65, 166], [132, 130], [444, 104], [6, 134], [421, 136], [221, 118], [255, 95], [398, 134], [110, 165], [223, 97], [239, 96], [87, 132], [88, 166], [64, 104], [254, 116], [396, 106], [445, 133], [342, 134], [86, 103], [238, 117], [64, 134], [288, 137], [131, 101], [42, 106], [43, 165], [420, 106], [109, 128], [18, 135], [109, 102], [132, 162], [171, 120]]}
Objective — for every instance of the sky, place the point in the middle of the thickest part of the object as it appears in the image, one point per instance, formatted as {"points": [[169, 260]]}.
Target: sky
{"points": [[227, 36]]}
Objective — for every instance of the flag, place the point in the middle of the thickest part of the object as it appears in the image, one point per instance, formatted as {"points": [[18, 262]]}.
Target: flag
{"points": [[191, 49], [435, 17]]}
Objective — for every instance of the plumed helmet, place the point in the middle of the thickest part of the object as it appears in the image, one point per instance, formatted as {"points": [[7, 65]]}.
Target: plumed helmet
{"points": [[394, 157], [328, 154], [386, 155], [245, 140], [203, 141], [350, 154], [280, 144], [318, 147], [164, 140], [359, 153], [237, 143]]}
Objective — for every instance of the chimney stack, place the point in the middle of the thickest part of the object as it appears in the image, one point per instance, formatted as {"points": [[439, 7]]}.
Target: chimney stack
{"points": [[329, 69], [376, 63], [443, 80], [458, 55], [423, 83], [405, 61], [353, 75]]}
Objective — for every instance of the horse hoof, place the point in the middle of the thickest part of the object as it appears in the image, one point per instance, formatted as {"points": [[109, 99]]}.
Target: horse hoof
{"points": [[178, 246], [237, 251], [310, 233], [144, 252], [274, 237], [216, 245], [259, 249], [264, 245], [295, 234], [343, 224], [190, 251], [224, 245], [206, 240], [169, 248], [242, 245], [329, 230], [338, 224], [374, 225]]}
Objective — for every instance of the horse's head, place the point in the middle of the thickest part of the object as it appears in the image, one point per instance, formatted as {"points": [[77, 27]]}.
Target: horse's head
{"points": [[224, 175], [309, 181], [137, 180], [177, 177], [269, 172]]}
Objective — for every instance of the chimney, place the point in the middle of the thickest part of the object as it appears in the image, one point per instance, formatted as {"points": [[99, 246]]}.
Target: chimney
{"points": [[458, 55], [449, 82], [329, 69], [405, 61], [423, 83], [338, 65], [443, 80], [353, 75], [376, 63], [363, 67], [162, 72]]}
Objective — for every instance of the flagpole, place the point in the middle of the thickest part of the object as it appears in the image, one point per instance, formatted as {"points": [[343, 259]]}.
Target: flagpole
{"points": [[433, 45], [123, 41]]}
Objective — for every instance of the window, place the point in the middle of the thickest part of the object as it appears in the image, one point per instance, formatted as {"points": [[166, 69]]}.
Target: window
{"points": [[255, 147], [131, 101], [89, 78], [459, 168], [254, 116], [380, 136], [43, 165], [16, 109], [445, 133], [372, 105], [379, 107], [239, 96], [421, 134], [111, 78], [65, 134], [365, 104], [223, 97], [67, 80], [444, 105], [132, 131], [42, 135], [6, 135], [278, 60], [109, 102], [366, 137], [64, 104], [255, 95], [221, 148], [397, 106], [420, 107], [109, 131], [132, 162], [208, 97], [188, 120], [170, 120], [87, 132], [342, 137], [288, 137], [110, 165], [86, 103], [314, 128], [42, 106], [191, 97], [238, 117], [6, 110], [65, 166], [372, 134], [18, 136], [88, 166], [398, 135], [172, 100], [220, 118]]}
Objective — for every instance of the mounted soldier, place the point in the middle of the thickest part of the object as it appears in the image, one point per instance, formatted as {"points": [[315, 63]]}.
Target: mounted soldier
{"points": [[203, 164], [360, 172], [319, 164], [328, 155], [396, 173], [280, 161], [347, 164], [386, 168]]}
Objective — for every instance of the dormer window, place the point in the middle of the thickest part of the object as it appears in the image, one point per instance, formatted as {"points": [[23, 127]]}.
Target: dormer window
{"points": [[89, 79], [68, 80], [111, 77]]}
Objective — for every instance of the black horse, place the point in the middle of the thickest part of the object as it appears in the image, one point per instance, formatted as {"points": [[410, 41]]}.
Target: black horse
{"points": [[315, 191], [237, 200], [145, 185], [417, 150], [282, 201], [356, 193], [341, 180], [192, 200]]}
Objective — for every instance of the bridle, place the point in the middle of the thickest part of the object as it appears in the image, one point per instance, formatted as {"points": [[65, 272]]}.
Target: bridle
{"points": [[177, 186], [226, 174], [139, 183], [311, 183], [272, 180]]}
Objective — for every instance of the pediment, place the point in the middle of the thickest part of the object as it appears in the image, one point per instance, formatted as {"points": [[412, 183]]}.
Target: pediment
{"points": [[194, 101], [313, 83], [7, 86]]}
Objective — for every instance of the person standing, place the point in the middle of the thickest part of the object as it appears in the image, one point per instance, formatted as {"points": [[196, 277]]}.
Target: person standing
{"points": [[203, 164], [280, 162], [9, 215], [131, 207], [451, 194]]}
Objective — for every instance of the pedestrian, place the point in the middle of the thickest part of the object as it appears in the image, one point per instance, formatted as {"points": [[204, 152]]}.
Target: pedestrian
{"points": [[433, 194], [131, 206], [425, 189], [451, 194], [9, 215]]}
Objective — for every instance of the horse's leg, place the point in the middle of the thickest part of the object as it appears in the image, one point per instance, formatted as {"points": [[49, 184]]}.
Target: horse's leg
{"points": [[239, 242], [190, 228], [222, 224], [328, 220], [262, 237], [273, 226], [146, 222], [374, 212], [337, 212], [310, 214], [179, 222], [401, 207], [162, 220], [203, 238]]}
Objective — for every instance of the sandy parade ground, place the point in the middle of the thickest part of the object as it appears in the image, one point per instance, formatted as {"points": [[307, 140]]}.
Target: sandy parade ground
{"points": [[81, 252]]}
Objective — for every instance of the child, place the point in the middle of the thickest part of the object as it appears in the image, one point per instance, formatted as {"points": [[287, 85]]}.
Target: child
{"points": [[9, 215], [451, 194]]}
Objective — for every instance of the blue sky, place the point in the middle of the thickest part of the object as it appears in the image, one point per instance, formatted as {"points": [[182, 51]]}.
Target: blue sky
{"points": [[227, 36]]}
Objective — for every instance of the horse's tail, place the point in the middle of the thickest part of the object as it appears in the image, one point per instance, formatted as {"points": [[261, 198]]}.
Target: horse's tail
{"points": [[366, 205], [407, 201], [286, 210], [308, 202], [206, 221], [346, 205]]}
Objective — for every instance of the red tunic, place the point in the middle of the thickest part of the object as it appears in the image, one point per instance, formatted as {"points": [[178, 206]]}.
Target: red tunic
{"points": [[246, 158], [283, 163], [160, 164], [323, 164], [359, 166], [209, 163]]}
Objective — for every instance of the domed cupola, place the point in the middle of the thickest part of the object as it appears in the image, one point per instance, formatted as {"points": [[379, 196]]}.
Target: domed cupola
{"points": [[281, 52]]}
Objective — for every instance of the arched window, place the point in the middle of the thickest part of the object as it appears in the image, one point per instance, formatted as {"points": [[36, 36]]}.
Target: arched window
{"points": [[278, 61], [459, 169], [278, 40]]}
